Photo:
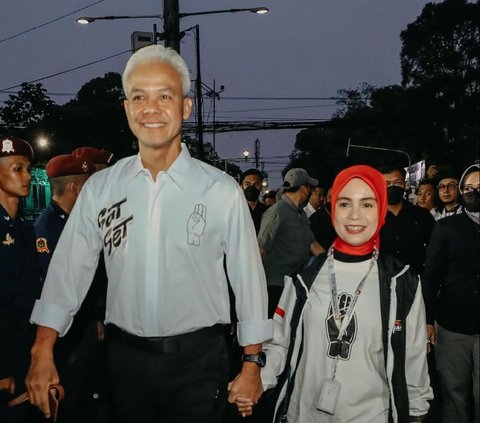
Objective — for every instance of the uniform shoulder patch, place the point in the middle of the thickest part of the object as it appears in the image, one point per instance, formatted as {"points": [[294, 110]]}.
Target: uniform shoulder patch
{"points": [[42, 246], [8, 240]]}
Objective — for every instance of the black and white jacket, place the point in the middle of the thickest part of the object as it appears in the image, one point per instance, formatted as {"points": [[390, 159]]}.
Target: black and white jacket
{"points": [[403, 334]]}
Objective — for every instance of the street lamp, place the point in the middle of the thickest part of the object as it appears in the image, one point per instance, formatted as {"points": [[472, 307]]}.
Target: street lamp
{"points": [[246, 153], [84, 20], [42, 142], [171, 18]]}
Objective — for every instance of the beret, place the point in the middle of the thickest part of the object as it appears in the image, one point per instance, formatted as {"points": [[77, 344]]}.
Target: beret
{"points": [[68, 164], [94, 154], [10, 146]]}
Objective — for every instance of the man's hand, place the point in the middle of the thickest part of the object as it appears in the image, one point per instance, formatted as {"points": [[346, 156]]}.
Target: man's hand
{"points": [[7, 384], [42, 372], [431, 337], [245, 390]]}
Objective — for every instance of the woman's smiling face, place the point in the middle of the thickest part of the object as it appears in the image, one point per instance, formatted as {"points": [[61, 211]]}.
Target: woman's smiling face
{"points": [[356, 213]]}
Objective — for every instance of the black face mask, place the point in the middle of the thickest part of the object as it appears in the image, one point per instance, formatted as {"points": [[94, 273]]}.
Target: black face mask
{"points": [[251, 193], [395, 194], [471, 201]]}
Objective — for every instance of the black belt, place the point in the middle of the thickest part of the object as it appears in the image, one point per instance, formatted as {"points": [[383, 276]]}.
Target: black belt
{"points": [[165, 344]]}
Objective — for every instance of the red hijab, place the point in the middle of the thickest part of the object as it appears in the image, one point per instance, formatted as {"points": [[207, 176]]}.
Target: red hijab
{"points": [[374, 179]]}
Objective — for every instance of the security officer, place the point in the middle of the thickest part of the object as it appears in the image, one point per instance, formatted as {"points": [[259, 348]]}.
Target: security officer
{"points": [[76, 354], [67, 175], [19, 281], [101, 158]]}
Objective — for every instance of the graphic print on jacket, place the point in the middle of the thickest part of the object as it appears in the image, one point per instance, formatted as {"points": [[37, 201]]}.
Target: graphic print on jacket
{"points": [[340, 348], [112, 224]]}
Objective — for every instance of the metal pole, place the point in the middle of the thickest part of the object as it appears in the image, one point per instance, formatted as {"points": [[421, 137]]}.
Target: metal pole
{"points": [[257, 152], [198, 86], [214, 98], [171, 24]]}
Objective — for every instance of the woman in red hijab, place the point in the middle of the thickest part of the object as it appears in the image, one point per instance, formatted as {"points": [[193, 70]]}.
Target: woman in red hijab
{"points": [[349, 339]]}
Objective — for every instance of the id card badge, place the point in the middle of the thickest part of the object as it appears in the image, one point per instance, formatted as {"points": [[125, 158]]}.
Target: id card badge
{"points": [[329, 393]]}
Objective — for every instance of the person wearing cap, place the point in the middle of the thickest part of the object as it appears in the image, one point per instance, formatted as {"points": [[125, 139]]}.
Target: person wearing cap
{"points": [[451, 284], [285, 238], [76, 353], [20, 284], [101, 158], [67, 174], [448, 194], [165, 237]]}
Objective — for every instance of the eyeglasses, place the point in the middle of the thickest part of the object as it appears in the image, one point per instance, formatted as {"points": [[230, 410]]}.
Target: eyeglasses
{"points": [[449, 187], [396, 183], [470, 188]]}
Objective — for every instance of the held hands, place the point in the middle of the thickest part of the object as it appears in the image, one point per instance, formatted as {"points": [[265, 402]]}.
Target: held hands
{"points": [[431, 337], [245, 390]]}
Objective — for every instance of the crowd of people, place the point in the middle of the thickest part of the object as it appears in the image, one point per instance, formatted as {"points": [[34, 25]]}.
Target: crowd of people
{"points": [[342, 303]]}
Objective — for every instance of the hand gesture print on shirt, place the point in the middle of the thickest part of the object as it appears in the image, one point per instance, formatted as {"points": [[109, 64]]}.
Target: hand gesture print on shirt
{"points": [[196, 224], [340, 348]]}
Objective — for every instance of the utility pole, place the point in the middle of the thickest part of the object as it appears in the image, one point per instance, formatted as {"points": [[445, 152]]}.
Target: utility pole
{"points": [[257, 153], [171, 24], [198, 90]]}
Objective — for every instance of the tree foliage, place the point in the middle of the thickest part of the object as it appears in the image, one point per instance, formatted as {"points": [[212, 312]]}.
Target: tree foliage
{"points": [[433, 115], [26, 108], [94, 118]]}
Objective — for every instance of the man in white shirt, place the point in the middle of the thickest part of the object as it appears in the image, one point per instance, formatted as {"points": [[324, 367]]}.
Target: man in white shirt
{"points": [[164, 234], [316, 200]]}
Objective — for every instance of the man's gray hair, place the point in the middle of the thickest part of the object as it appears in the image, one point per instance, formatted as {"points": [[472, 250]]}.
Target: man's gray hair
{"points": [[161, 54]]}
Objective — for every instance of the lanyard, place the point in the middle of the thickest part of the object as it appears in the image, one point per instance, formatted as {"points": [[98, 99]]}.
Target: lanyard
{"points": [[333, 290], [336, 307]]}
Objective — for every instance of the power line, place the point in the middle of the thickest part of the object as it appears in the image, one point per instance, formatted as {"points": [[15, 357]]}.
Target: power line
{"points": [[279, 108], [287, 98], [49, 22], [68, 70]]}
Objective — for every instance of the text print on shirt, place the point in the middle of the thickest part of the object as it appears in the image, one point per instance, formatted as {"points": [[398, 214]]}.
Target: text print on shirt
{"points": [[114, 228]]}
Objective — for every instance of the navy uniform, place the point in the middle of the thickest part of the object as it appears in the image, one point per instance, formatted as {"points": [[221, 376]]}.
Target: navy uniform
{"points": [[19, 284], [48, 228], [76, 353]]}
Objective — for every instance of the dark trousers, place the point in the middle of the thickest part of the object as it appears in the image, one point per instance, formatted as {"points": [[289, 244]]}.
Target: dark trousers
{"points": [[457, 358], [187, 386]]}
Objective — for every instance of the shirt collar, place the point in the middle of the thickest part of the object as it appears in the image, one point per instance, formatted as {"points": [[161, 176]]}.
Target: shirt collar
{"points": [[58, 210], [290, 203], [4, 216], [178, 170]]}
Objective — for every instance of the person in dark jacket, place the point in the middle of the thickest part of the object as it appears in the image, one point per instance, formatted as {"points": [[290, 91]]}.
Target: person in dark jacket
{"points": [[407, 227], [19, 281], [451, 291], [349, 342], [76, 354], [251, 183]]}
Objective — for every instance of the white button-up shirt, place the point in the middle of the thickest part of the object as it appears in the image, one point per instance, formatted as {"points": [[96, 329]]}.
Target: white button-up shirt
{"points": [[164, 243]]}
